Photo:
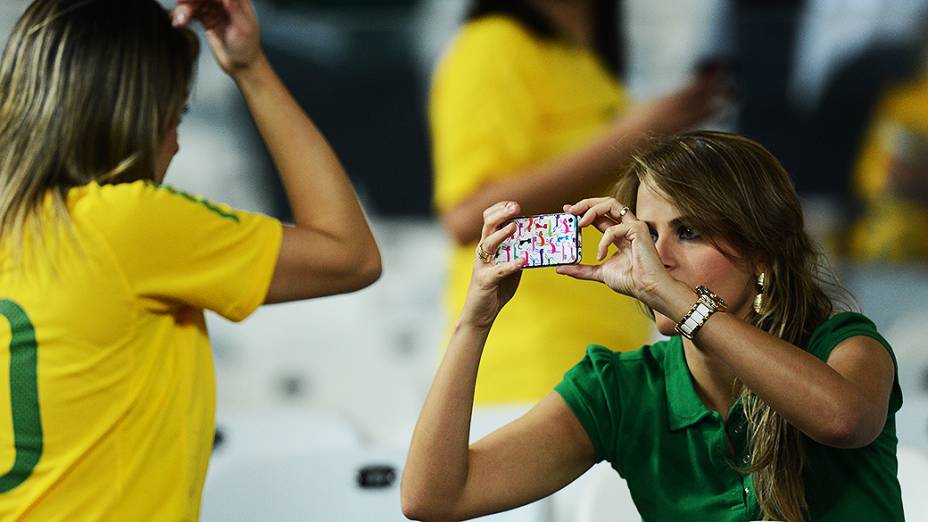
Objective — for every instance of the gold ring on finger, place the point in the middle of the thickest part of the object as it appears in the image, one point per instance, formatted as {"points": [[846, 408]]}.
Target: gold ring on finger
{"points": [[482, 254]]}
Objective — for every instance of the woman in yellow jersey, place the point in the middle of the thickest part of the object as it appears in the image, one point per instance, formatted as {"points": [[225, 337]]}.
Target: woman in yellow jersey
{"points": [[524, 105], [105, 272], [891, 177], [766, 402]]}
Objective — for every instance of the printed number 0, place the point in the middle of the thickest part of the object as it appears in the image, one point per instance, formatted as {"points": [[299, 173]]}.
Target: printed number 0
{"points": [[24, 396]]}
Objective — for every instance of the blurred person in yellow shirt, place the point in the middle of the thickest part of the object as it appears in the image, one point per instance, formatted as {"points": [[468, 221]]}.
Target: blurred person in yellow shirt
{"points": [[105, 272], [891, 177], [525, 106]]}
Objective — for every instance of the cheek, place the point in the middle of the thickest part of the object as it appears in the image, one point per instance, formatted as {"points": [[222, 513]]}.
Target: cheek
{"points": [[171, 141], [729, 281], [709, 267]]}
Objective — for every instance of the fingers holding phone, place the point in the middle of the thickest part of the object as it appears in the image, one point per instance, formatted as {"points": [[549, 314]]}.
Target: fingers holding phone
{"points": [[634, 265], [492, 284]]}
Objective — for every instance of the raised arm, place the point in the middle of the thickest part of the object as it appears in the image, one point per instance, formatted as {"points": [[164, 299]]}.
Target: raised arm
{"points": [[842, 402], [530, 458], [545, 187], [330, 248]]}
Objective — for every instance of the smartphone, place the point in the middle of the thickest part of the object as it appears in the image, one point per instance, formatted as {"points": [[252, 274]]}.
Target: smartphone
{"points": [[542, 240]]}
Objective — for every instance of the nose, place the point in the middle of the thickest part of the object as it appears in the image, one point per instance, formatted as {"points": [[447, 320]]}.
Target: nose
{"points": [[665, 250]]}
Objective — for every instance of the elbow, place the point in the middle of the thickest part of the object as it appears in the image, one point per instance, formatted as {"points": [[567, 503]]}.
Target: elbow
{"points": [[367, 268], [424, 512], [422, 497], [850, 430], [356, 272], [412, 499], [370, 270], [414, 511], [417, 507]]}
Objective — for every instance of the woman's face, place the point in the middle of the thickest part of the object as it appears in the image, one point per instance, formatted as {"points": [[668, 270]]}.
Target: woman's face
{"points": [[692, 259]]}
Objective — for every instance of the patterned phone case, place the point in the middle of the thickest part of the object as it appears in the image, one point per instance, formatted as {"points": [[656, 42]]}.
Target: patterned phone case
{"points": [[543, 240]]}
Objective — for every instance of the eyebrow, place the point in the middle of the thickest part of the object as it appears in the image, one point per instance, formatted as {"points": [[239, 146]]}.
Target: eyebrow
{"points": [[675, 222]]}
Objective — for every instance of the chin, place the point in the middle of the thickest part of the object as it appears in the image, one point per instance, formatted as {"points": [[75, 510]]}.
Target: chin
{"points": [[664, 325]]}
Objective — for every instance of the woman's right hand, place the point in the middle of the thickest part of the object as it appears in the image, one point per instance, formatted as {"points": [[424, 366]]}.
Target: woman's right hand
{"points": [[231, 29], [492, 285]]}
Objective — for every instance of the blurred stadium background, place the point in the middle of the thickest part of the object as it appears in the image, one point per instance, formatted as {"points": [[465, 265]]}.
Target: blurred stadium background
{"points": [[331, 387]]}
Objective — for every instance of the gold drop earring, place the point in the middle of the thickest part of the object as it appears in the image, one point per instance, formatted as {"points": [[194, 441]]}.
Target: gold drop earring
{"points": [[759, 298]]}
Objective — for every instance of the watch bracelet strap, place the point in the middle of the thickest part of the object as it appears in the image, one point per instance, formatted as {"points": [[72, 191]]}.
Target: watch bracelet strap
{"points": [[697, 315]]}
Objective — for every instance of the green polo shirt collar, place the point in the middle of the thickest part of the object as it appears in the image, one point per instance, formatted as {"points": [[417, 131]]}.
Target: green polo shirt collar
{"points": [[684, 407]]}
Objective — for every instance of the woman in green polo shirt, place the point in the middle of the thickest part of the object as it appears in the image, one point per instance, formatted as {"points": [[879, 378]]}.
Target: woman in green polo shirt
{"points": [[765, 401]]}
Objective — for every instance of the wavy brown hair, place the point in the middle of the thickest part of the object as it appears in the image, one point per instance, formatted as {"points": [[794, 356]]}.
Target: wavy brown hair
{"points": [[88, 91], [736, 192]]}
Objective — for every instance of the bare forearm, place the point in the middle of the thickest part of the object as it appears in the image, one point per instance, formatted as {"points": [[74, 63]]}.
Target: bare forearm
{"points": [[319, 192], [437, 465], [547, 187], [808, 393]]}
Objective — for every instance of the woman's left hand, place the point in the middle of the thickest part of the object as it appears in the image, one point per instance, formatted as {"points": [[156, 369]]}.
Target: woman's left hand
{"points": [[635, 269], [492, 285]]}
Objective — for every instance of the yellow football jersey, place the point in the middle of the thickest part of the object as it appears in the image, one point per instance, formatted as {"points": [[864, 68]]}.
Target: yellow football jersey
{"points": [[109, 408], [503, 101], [892, 228]]}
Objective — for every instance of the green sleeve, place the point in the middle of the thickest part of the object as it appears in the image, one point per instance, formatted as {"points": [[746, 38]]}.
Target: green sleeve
{"points": [[844, 326], [590, 390]]}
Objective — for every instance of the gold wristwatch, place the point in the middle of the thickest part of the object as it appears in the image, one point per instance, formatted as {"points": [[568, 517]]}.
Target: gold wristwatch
{"points": [[707, 304]]}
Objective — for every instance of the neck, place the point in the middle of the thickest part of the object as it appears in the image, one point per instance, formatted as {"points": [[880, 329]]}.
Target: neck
{"points": [[712, 379], [572, 19]]}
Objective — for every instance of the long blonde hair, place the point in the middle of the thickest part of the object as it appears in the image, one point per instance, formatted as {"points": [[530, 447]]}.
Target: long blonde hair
{"points": [[88, 91], [735, 191]]}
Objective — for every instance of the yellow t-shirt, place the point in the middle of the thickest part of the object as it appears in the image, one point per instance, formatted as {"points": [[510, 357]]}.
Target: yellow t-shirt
{"points": [[891, 228], [103, 342], [502, 100]]}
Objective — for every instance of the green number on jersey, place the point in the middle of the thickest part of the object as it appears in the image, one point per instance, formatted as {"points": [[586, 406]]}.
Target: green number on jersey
{"points": [[24, 395]]}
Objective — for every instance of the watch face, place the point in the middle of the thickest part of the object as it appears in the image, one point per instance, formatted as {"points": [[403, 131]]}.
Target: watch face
{"points": [[708, 297]]}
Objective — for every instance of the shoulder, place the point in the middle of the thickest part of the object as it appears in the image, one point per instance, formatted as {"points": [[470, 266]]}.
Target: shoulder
{"points": [[618, 368], [141, 217], [108, 206], [839, 328], [487, 43], [94, 193], [495, 30], [851, 340], [141, 202], [116, 198]]}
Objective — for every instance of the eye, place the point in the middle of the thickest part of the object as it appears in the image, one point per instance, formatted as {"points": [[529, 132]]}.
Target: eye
{"points": [[687, 233], [653, 234]]}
